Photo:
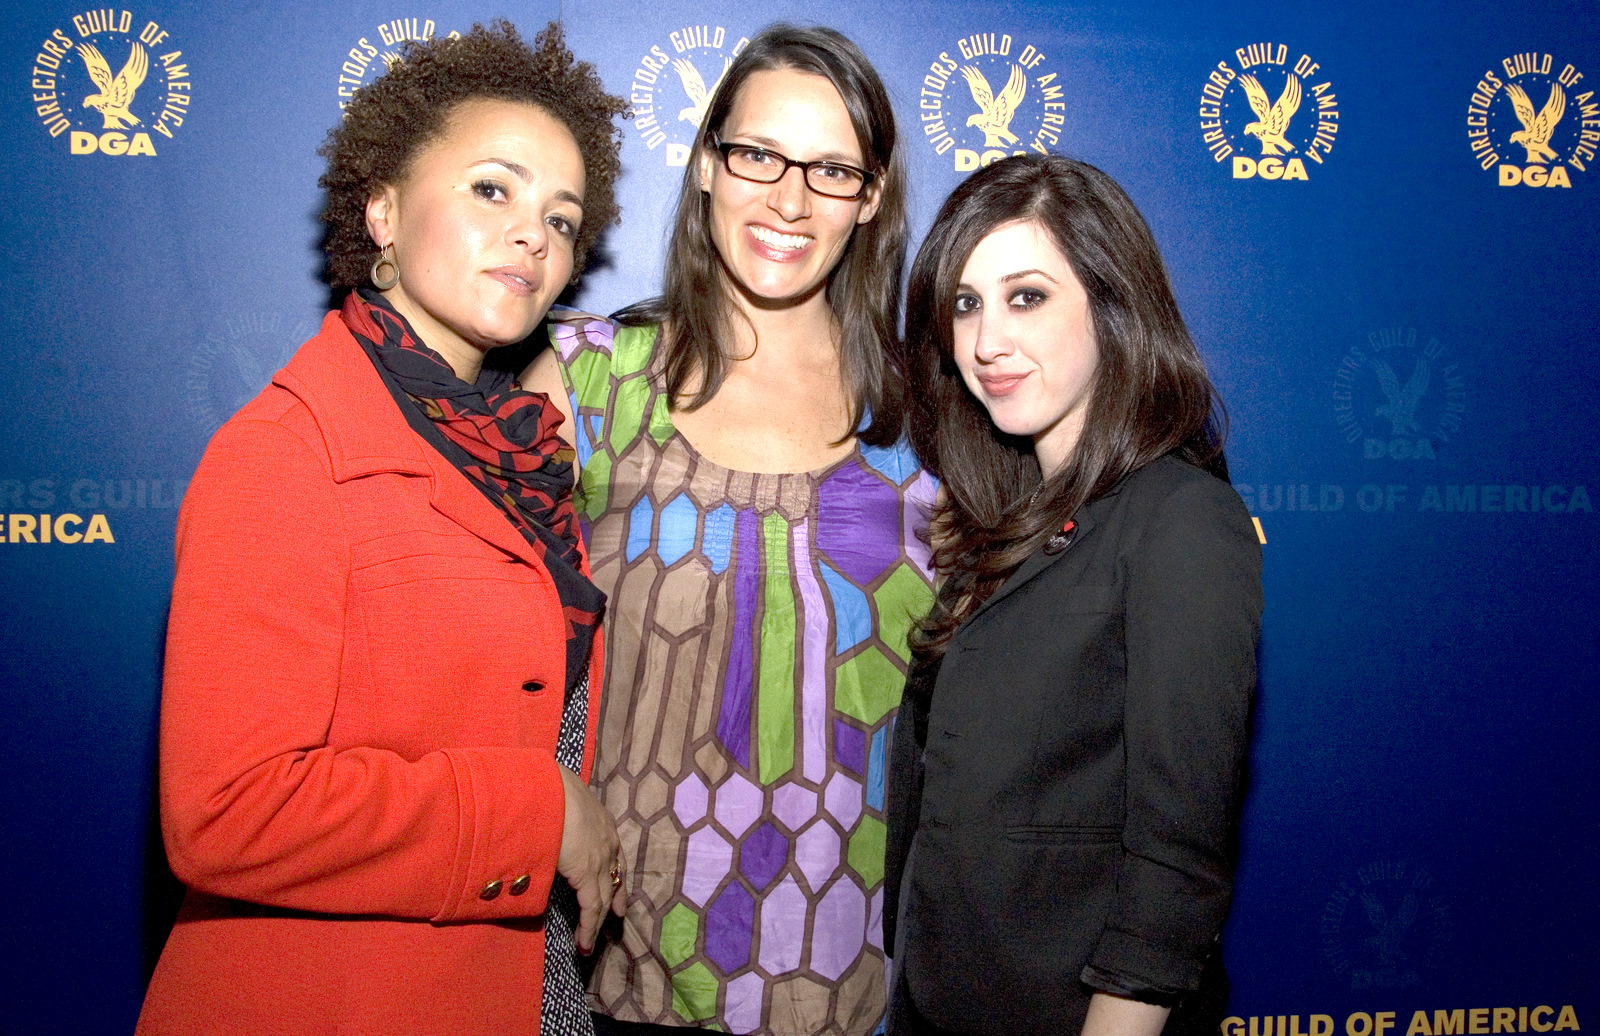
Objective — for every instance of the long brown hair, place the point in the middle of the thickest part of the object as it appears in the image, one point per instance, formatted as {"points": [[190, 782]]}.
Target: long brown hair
{"points": [[1150, 395], [696, 307]]}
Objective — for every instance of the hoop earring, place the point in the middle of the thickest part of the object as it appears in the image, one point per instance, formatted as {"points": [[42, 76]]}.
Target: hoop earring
{"points": [[384, 281]]}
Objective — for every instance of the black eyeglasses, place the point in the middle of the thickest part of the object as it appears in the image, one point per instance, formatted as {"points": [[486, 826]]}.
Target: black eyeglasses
{"points": [[829, 179]]}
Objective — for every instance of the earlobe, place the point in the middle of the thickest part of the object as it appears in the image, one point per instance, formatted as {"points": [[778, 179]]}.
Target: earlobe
{"points": [[705, 171], [380, 208], [869, 210]]}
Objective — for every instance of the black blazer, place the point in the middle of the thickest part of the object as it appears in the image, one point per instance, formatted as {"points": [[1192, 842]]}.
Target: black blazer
{"points": [[1070, 818]]}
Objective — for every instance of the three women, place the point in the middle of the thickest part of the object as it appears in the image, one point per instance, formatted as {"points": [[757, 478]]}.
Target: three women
{"points": [[358, 759], [376, 715]]}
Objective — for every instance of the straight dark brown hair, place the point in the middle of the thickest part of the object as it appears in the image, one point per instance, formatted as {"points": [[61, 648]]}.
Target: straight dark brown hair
{"points": [[696, 306], [1150, 395]]}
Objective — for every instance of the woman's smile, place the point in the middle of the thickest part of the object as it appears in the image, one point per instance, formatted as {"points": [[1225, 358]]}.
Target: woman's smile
{"points": [[996, 384], [777, 245]]}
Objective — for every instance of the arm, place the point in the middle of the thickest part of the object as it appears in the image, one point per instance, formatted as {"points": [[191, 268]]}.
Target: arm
{"points": [[1193, 611], [255, 802], [1117, 1016]]}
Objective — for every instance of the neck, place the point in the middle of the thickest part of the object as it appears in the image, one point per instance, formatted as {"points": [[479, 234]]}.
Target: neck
{"points": [[1055, 445], [464, 358], [792, 331], [1052, 455]]}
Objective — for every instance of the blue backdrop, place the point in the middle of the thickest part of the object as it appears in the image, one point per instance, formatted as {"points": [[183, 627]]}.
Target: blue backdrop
{"points": [[1395, 297]]}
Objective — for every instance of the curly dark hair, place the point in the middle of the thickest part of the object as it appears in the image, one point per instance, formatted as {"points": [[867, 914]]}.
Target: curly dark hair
{"points": [[389, 119]]}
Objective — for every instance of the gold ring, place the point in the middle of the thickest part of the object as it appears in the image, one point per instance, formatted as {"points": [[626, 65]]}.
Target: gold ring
{"points": [[616, 871]]}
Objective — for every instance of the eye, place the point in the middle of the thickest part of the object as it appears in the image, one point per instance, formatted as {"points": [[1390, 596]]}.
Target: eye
{"points": [[490, 190], [1026, 298], [563, 226], [967, 303], [756, 156], [836, 173]]}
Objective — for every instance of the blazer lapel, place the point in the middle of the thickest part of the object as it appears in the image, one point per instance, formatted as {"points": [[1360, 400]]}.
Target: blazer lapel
{"points": [[366, 434], [455, 497], [1037, 562]]}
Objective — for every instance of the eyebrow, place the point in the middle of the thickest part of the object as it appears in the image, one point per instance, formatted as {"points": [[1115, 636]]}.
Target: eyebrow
{"points": [[515, 168], [827, 156], [1026, 273], [521, 172], [1008, 278]]}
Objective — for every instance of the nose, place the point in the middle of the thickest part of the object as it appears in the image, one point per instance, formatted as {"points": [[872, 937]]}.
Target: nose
{"points": [[790, 197], [992, 342], [528, 229]]}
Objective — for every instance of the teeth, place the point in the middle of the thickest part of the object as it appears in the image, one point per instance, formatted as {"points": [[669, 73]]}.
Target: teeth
{"points": [[791, 242]]}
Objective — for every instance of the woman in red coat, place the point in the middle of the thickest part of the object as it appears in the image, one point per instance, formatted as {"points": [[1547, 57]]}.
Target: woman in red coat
{"points": [[376, 721]]}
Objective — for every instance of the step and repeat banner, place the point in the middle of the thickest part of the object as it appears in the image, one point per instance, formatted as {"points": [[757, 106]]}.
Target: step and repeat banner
{"points": [[1381, 222]]}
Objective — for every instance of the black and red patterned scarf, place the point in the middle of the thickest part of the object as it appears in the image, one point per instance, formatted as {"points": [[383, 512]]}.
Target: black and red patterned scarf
{"points": [[503, 440]]}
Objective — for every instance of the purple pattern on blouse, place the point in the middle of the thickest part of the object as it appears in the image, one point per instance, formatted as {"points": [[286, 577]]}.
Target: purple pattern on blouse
{"points": [[843, 913], [849, 746], [761, 856], [858, 523], [733, 722], [730, 925], [738, 805]]}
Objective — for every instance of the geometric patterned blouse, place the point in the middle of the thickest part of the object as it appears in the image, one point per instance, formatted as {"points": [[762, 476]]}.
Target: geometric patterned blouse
{"points": [[756, 653]]}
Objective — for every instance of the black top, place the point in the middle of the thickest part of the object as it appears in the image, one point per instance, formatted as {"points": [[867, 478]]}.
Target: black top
{"points": [[1073, 807]]}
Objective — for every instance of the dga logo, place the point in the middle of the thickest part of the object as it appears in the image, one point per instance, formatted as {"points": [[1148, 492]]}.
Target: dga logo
{"points": [[1270, 117], [366, 61], [235, 361], [1398, 399], [994, 100], [1531, 125], [1386, 926], [108, 80], [671, 92]]}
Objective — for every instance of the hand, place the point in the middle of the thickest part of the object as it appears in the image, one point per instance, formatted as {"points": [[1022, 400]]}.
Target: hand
{"points": [[590, 856]]}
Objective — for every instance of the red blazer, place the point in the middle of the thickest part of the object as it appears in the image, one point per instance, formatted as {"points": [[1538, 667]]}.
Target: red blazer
{"points": [[363, 687]]}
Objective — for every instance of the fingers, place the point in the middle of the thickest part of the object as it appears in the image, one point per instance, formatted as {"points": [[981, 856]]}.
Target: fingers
{"points": [[607, 891], [590, 859], [619, 894], [591, 908]]}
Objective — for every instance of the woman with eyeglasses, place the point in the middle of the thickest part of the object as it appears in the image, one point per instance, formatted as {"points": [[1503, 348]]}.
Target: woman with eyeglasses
{"points": [[754, 520]]}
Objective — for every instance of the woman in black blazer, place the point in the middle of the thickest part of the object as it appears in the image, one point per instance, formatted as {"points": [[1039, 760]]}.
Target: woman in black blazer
{"points": [[1068, 763]]}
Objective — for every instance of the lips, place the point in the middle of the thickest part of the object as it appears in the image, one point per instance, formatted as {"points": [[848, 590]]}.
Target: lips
{"points": [[995, 385], [519, 280], [776, 245]]}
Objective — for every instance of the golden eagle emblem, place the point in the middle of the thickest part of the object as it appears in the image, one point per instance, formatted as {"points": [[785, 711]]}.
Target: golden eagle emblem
{"points": [[115, 94], [1272, 120], [695, 87], [1536, 129], [995, 113]]}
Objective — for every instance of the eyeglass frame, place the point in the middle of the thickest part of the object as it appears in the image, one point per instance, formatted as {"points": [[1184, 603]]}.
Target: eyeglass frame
{"points": [[726, 148]]}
